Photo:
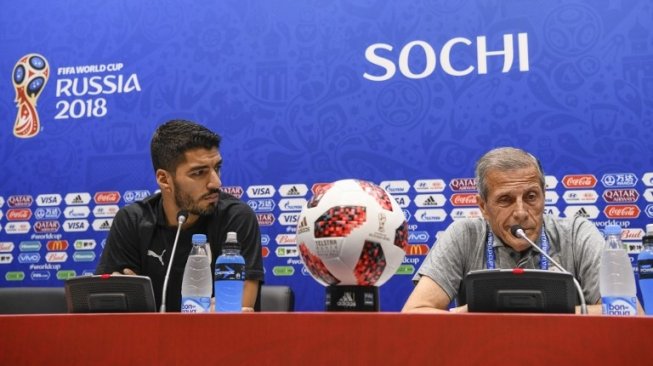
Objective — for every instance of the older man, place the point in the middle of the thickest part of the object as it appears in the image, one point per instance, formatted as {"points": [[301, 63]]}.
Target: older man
{"points": [[510, 183]]}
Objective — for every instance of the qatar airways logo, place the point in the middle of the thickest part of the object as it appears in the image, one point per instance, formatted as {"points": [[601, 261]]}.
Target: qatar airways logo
{"points": [[81, 90], [513, 52]]}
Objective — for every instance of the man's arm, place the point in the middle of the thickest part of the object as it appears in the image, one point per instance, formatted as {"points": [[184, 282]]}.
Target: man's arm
{"points": [[250, 291], [121, 251], [427, 297]]}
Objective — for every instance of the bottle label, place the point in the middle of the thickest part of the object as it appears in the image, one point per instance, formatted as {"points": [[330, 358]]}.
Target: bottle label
{"points": [[616, 305], [195, 304], [229, 271], [645, 269]]}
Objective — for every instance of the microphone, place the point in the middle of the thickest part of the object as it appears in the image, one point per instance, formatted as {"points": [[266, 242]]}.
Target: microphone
{"points": [[518, 232], [182, 215]]}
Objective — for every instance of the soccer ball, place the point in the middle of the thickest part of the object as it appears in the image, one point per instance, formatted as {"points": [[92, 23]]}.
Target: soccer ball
{"points": [[352, 232]]}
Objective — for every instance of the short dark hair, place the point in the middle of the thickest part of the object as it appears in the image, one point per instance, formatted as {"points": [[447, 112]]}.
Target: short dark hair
{"points": [[505, 159], [173, 138]]}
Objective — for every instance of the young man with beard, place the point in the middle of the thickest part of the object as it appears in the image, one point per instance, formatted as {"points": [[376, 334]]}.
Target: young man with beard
{"points": [[187, 162]]}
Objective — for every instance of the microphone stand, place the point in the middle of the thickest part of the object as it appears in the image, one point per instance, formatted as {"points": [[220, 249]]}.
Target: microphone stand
{"points": [[518, 232], [181, 218]]}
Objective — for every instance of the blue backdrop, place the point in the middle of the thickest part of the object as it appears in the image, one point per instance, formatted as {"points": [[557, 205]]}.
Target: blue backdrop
{"points": [[405, 94]]}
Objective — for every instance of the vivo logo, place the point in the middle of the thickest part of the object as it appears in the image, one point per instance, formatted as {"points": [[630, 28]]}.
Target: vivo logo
{"points": [[418, 237], [29, 257]]}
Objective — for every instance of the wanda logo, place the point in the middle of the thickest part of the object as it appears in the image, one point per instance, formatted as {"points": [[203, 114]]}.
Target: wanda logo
{"points": [[19, 214], [579, 181], [463, 199], [106, 197], [621, 211]]}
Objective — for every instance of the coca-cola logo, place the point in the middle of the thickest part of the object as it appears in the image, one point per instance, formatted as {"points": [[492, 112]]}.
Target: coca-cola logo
{"points": [[106, 197], [19, 214], [620, 195], [463, 199], [319, 188], [579, 181], [621, 211], [463, 184]]}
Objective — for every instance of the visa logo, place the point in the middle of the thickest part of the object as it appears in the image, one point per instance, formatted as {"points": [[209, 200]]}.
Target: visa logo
{"points": [[265, 191], [289, 219]]}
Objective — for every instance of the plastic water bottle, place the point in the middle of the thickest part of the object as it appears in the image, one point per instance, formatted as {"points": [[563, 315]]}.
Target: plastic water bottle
{"points": [[196, 284], [618, 291], [645, 268], [229, 276]]}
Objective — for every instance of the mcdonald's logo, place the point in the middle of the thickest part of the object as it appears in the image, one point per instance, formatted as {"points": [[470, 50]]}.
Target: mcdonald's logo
{"points": [[265, 251], [417, 249], [57, 245]]}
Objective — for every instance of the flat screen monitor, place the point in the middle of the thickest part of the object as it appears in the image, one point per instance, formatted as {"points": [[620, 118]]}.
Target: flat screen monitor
{"points": [[109, 294], [520, 290]]}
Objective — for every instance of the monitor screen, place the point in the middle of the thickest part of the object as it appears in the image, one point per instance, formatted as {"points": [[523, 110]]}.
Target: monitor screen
{"points": [[109, 294], [520, 290]]}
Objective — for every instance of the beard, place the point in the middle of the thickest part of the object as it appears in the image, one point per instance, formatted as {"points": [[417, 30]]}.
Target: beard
{"points": [[185, 202]]}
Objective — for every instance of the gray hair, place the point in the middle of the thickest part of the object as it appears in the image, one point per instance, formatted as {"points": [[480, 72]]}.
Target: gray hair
{"points": [[504, 159]]}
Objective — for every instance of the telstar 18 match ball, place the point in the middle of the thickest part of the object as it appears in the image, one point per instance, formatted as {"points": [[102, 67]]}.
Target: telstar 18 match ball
{"points": [[352, 232]]}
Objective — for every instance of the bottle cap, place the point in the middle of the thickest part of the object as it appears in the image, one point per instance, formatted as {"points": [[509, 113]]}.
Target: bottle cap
{"points": [[612, 230], [199, 239], [232, 241], [649, 229], [232, 237]]}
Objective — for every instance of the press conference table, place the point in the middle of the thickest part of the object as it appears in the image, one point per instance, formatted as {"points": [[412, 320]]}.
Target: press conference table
{"points": [[322, 338]]}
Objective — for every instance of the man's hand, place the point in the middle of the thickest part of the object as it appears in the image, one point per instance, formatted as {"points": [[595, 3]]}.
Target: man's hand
{"points": [[125, 271]]}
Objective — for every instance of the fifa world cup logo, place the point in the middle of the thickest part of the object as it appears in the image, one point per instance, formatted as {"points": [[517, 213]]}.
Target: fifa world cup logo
{"points": [[31, 73]]}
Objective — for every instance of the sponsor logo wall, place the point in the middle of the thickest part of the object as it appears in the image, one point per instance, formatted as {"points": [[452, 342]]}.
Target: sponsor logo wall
{"points": [[405, 95]]}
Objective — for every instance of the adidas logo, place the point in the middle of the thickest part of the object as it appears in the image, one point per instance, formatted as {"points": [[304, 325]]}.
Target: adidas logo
{"points": [[78, 199], [293, 192], [106, 225], [429, 201], [582, 213], [347, 300]]}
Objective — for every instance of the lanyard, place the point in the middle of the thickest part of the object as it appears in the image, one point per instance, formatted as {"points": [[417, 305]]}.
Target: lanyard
{"points": [[489, 250]]}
